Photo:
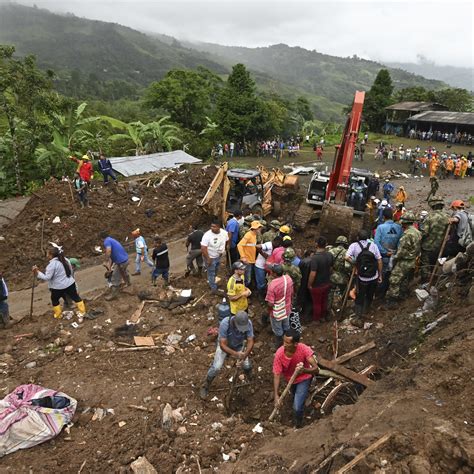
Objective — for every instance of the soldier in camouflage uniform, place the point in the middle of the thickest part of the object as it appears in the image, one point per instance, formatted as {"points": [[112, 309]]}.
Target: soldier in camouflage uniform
{"points": [[432, 235], [292, 270], [245, 227], [270, 234], [408, 250], [341, 272]]}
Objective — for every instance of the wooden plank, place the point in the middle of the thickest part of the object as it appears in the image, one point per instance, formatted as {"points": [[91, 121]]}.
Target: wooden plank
{"points": [[349, 374], [143, 341], [364, 453], [354, 353], [136, 315]]}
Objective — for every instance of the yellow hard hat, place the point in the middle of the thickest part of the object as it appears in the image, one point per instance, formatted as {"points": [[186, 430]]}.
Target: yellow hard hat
{"points": [[85, 157]]}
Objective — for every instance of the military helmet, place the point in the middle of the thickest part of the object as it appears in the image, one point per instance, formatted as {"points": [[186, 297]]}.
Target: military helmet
{"points": [[342, 239], [249, 218], [263, 222], [289, 254], [275, 224], [435, 201], [408, 218]]}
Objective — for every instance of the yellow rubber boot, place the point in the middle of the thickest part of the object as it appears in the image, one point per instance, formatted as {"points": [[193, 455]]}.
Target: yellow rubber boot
{"points": [[58, 312], [81, 307]]}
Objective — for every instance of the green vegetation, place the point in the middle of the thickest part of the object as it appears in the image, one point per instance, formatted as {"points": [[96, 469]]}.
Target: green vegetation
{"points": [[378, 97], [457, 100]]}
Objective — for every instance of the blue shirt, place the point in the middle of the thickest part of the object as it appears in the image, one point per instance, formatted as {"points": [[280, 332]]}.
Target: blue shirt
{"points": [[387, 236], [119, 254], [235, 338], [233, 226]]}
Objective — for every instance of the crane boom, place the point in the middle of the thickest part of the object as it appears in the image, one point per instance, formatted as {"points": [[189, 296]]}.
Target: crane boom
{"points": [[341, 170]]}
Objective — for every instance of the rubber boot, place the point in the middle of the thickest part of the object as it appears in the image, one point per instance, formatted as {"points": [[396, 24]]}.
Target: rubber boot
{"points": [[298, 421], [57, 311], [81, 307], [278, 341], [204, 390], [114, 291]]}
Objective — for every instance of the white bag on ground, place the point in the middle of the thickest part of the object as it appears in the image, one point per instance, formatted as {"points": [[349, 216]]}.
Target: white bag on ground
{"points": [[31, 415]]}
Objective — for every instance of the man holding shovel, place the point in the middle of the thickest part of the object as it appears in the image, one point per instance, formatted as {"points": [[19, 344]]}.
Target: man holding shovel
{"points": [[297, 363], [234, 331]]}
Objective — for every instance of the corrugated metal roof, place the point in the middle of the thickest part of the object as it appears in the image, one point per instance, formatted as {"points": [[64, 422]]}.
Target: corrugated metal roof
{"points": [[416, 106], [461, 118], [136, 165]]}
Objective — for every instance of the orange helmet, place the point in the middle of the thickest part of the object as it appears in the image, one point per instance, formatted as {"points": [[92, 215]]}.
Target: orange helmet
{"points": [[457, 203]]}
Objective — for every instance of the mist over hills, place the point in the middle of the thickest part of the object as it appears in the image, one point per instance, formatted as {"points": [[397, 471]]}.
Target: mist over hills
{"points": [[112, 52]]}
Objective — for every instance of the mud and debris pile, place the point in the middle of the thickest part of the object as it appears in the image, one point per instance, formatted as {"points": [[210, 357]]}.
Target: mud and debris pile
{"points": [[52, 215]]}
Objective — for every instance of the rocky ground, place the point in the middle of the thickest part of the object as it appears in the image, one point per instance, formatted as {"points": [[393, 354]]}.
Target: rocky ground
{"points": [[421, 398]]}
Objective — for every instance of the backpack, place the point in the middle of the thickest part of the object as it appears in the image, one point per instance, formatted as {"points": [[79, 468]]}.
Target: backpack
{"points": [[466, 238], [366, 263]]}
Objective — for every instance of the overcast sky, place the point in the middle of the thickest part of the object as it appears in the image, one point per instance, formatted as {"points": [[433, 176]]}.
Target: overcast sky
{"points": [[401, 30]]}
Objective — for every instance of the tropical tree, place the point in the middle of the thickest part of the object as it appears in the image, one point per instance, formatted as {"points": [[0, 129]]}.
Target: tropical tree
{"points": [[146, 138], [26, 105]]}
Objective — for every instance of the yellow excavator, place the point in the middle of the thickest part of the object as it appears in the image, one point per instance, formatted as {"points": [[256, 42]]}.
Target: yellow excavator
{"points": [[249, 190]]}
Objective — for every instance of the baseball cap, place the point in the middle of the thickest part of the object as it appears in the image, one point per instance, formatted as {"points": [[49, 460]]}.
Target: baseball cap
{"points": [[75, 262], [255, 225], [241, 320]]}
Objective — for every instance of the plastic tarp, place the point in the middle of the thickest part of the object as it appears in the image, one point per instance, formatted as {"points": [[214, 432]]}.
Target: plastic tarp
{"points": [[136, 165], [31, 415]]}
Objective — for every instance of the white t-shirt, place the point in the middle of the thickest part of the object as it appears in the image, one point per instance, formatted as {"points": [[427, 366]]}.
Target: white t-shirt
{"points": [[266, 248], [215, 243]]}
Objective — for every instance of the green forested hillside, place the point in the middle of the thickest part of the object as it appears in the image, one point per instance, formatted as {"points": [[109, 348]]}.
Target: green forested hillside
{"points": [[94, 59]]}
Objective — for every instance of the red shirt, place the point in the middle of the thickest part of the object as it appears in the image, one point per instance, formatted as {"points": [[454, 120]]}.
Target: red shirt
{"points": [[86, 171], [286, 366]]}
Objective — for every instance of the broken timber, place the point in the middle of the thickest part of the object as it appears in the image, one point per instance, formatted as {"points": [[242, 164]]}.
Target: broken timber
{"points": [[354, 353], [348, 374]]}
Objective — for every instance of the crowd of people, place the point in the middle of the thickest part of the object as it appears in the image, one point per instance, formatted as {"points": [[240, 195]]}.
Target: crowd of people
{"points": [[463, 138]]}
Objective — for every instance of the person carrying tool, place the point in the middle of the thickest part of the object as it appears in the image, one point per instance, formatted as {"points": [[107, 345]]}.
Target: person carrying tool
{"points": [[116, 263], [237, 293], [84, 168], [248, 249], [234, 331], [105, 167], [80, 186], [61, 283], [141, 250], [294, 356], [162, 262], [4, 310]]}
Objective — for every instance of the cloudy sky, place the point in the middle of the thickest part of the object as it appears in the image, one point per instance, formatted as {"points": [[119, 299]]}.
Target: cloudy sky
{"points": [[401, 30]]}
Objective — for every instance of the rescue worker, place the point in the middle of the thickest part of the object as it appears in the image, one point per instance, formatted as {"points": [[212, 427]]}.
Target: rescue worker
{"points": [[463, 167], [457, 169], [105, 167], [84, 168], [432, 235], [371, 208], [404, 261], [434, 164], [292, 270], [270, 234], [284, 231], [449, 166], [341, 270], [141, 249], [245, 227], [459, 222], [399, 210], [401, 196], [387, 237], [247, 248], [388, 189], [233, 332], [434, 187], [358, 194]]}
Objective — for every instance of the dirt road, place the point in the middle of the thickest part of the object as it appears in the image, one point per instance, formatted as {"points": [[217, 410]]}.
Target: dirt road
{"points": [[91, 279]]}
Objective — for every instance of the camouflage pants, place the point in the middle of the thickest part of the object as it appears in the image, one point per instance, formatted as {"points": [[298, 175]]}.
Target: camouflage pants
{"points": [[400, 278], [336, 295], [427, 263]]}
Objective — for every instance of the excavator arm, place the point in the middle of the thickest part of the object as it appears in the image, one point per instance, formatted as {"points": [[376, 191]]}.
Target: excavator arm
{"points": [[217, 206], [339, 180]]}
